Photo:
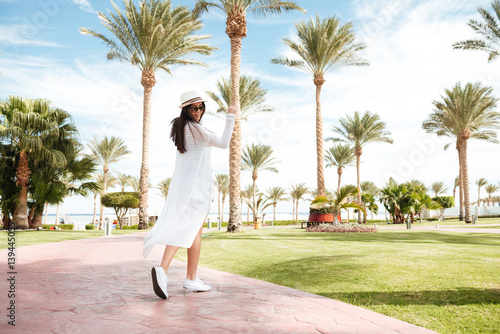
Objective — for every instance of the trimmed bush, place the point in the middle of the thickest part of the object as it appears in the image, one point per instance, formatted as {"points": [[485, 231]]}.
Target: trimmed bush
{"points": [[68, 227], [341, 228], [90, 227]]}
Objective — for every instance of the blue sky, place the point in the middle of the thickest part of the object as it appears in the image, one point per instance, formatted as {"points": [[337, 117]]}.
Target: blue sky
{"points": [[411, 62]]}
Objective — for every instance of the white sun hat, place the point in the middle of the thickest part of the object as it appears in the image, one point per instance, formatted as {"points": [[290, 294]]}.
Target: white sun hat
{"points": [[190, 97]]}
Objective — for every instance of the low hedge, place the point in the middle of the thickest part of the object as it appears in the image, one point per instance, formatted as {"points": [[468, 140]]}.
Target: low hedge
{"points": [[341, 228], [90, 227], [61, 226]]}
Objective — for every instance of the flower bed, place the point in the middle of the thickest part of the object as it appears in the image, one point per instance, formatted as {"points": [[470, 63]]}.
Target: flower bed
{"points": [[341, 228]]}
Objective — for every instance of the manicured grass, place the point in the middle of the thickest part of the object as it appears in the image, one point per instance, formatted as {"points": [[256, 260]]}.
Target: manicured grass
{"points": [[473, 226], [26, 238], [454, 221], [445, 281]]}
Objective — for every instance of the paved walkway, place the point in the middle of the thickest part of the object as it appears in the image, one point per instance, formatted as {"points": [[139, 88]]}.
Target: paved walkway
{"points": [[103, 285]]}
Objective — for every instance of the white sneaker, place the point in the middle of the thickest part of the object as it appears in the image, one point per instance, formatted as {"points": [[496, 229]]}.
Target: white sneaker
{"points": [[197, 285], [160, 280]]}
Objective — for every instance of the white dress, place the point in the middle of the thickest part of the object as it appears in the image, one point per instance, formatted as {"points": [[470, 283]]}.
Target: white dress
{"points": [[190, 193]]}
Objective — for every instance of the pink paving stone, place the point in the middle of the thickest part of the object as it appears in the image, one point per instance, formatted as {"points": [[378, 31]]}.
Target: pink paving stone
{"points": [[103, 285]]}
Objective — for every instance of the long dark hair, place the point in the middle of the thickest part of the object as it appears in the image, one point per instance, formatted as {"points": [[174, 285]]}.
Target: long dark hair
{"points": [[178, 126]]}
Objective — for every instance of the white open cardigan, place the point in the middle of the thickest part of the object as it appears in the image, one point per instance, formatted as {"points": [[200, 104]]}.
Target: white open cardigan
{"points": [[190, 193]]}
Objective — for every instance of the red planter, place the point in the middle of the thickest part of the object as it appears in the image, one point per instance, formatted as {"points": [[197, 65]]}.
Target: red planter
{"points": [[316, 217]]}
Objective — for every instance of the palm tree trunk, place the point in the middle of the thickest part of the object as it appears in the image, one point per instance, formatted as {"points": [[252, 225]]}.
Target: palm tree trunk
{"points": [[234, 224], [105, 186], [274, 213], [339, 171], [218, 203], [254, 180], [478, 196], [293, 209], [465, 176], [460, 185], [297, 210], [46, 210], [148, 80], [57, 215], [95, 208], [318, 81], [222, 212], [358, 163], [20, 218]]}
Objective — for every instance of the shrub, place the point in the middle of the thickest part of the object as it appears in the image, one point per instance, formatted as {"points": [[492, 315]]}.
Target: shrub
{"points": [[90, 227], [61, 226], [336, 228], [126, 227]]}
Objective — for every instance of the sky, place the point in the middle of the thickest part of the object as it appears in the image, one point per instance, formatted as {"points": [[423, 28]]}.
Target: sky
{"points": [[43, 55]]}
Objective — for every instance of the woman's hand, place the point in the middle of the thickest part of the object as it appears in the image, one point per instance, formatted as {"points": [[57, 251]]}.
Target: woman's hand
{"points": [[232, 110]]}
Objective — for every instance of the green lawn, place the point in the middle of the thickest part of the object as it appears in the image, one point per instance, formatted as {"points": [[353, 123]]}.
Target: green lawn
{"points": [[26, 238], [448, 282], [454, 221]]}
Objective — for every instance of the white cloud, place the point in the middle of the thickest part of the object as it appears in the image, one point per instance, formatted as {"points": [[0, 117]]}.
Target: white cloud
{"points": [[84, 5], [21, 34]]}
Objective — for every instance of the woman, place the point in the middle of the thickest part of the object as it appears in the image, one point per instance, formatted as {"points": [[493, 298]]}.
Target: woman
{"points": [[190, 194]]}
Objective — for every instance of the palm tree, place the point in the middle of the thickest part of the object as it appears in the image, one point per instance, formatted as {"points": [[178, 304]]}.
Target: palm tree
{"points": [[324, 45], [107, 151], [152, 37], [257, 158], [368, 187], [297, 192], [31, 127], [340, 156], [489, 30], [465, 113], [111, 181], [124, 180], [275, 195], [341, 201], [252, 97], [438, 188], [359, 131], [456, 184], [222, 184], [246, 195], [491, 189], [480, 183], [164, 186], [236, 29]]}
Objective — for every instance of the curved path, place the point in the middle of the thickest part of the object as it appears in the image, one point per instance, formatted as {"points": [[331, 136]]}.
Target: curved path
{"points": [[103, 285]]}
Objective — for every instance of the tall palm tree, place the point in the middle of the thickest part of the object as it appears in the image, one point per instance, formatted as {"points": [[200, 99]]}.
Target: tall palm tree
{"points": [[489, 29], [438, 187], [252, 97], [246, 195], [323, 46], [359, 131], [124, 180], [107, 151], [236, 29], [491, 189], [257, 158], [275, 195], [480, 183], [31, 127], [368, 187], [224, 190], [151, 37], [297, 192], [222, 184], [340, 156], [98, 177], [164, 186], [463, 114], [456, 184]]}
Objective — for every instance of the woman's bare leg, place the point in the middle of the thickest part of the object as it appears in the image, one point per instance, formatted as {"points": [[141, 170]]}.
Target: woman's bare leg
{"points": [[168, 255], [194, 256]]}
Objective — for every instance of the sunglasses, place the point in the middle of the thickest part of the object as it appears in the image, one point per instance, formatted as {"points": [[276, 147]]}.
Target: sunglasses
{"points": [[194, 109]]}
